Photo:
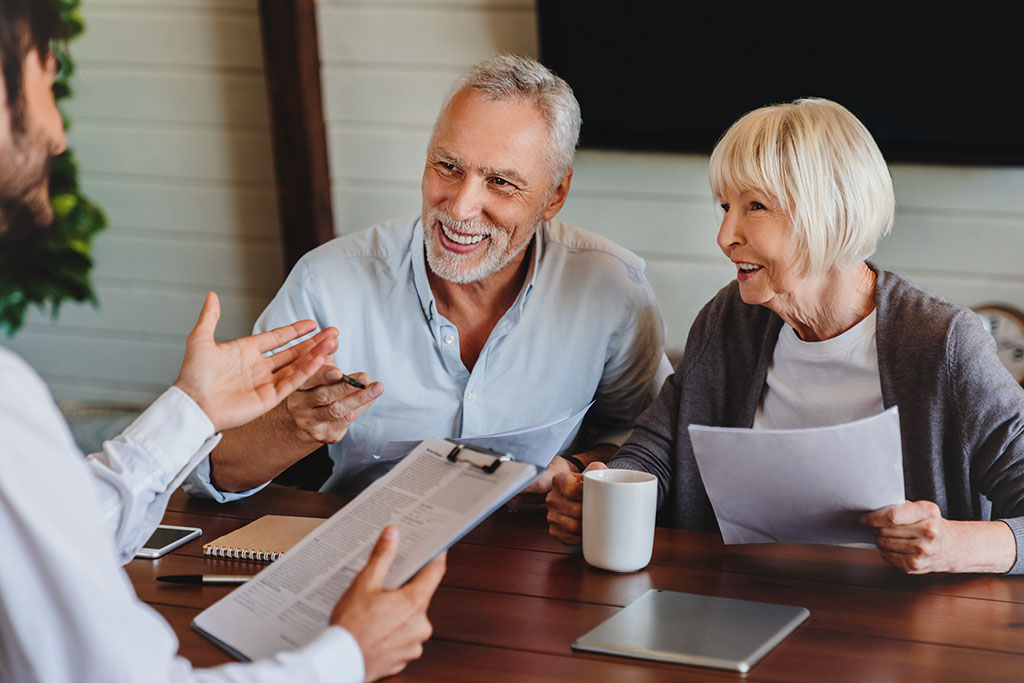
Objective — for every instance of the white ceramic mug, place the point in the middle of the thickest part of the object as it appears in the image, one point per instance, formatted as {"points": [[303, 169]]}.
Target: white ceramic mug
{"points": [[618, 518]]}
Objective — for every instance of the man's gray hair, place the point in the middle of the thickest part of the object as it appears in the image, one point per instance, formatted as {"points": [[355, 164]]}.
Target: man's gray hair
{"points": [[508, 77]]}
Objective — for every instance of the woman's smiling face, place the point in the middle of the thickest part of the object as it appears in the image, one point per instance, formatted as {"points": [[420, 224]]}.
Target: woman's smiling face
{"points": [[757, 235]]}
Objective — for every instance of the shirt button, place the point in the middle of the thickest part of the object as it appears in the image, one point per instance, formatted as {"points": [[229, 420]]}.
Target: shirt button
{"points": [[449, 339], [471, 397]]}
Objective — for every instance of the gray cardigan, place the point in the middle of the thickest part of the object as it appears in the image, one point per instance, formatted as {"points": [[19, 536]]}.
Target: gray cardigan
{"points": [[961, 413]]}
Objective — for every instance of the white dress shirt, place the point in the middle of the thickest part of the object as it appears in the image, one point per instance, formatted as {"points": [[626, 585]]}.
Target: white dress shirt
{"points": [[585, 327], [67, 610]]}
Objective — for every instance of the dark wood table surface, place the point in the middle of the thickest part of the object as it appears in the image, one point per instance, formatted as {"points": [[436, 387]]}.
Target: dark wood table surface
{"points": [[513, 600]]}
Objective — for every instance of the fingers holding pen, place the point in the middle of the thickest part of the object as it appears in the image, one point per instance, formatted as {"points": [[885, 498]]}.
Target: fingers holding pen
{"points": [[325, 412]]}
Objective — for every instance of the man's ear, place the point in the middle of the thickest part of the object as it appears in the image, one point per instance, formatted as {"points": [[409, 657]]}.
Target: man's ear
{"points": [[558, 197]]}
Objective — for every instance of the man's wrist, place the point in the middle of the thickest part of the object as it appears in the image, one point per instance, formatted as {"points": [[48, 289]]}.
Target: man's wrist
{"points": [[575, 462]]}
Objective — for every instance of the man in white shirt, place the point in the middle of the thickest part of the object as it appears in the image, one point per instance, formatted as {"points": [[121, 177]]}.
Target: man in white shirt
{"points": [[483, 315], [67, 610]]}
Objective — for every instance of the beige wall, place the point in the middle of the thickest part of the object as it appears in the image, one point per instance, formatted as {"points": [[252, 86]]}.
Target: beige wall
{"points": [[170, 127]]}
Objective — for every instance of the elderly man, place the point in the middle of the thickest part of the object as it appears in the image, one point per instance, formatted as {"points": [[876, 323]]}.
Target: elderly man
{"points": [[67, 611], [482, 315]]}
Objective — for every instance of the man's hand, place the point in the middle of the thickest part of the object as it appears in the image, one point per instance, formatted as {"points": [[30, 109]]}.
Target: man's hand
{"points": [[389, 625], [565, 505], [533, 496], [233, 382], [915, 537], [542, 484], [325, 407], [535, 492]]}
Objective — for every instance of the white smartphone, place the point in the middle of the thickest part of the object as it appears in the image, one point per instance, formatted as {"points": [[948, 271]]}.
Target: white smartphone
{"points": [[166, 538]]}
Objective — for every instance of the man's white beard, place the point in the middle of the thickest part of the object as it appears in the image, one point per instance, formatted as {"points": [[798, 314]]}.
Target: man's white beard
{"points": [[450, 266]]}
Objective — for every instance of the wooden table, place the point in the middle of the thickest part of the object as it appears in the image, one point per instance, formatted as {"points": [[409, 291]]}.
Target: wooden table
{"points": [[513, 599]]}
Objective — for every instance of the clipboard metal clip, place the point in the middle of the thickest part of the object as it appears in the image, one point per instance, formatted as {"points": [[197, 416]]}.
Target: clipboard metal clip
{"points": [[489, 468]]}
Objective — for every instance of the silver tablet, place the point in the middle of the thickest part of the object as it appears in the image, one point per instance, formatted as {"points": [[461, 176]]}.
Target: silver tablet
{"points": [[701, 630]]}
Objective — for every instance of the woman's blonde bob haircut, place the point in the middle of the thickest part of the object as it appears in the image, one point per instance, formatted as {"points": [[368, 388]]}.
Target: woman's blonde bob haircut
{"points": [[822, 165]]}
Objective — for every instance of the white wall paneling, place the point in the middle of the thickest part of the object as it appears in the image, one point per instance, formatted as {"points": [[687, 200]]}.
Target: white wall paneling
{"points": [[162, 206], [424, 34], [143, 93]]}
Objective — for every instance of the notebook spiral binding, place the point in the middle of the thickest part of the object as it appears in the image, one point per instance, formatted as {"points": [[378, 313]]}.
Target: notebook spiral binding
{"points": [[241, 553]]}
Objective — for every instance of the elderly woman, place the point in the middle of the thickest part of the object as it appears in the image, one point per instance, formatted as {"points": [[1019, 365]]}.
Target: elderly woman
{"points": [[810, 334]]}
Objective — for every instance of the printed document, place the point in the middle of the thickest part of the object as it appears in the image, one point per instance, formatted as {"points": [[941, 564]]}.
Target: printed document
{"points": [[536, 444], [431, 500], [801, 485]]}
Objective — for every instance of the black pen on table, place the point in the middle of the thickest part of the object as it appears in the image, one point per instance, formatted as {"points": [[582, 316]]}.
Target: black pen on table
{"points": [[197, 579]]}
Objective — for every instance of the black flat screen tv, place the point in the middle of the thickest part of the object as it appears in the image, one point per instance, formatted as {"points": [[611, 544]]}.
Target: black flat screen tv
{"points": [[933, 82]]}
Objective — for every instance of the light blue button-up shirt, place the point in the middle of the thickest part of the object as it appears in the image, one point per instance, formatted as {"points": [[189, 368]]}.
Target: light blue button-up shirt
{"points": [[585, 327]]}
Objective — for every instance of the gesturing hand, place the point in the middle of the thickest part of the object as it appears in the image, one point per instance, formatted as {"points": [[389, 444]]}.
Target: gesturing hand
{"points": [[389, 625], [233, 382]]}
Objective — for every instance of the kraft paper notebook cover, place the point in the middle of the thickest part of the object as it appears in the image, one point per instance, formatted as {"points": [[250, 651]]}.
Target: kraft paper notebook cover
{"points": [[265, 539]]}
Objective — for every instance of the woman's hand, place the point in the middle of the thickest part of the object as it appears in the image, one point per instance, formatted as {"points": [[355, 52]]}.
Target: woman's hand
{"points": [[915, 537], [565, 505], [234, 382]]}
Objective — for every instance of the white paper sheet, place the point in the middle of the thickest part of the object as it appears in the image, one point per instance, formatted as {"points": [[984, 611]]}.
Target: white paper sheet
{"points": [[536, 444], [800, 485]]}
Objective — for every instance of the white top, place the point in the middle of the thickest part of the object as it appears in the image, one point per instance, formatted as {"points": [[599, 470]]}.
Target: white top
{"points": [[67, 610], [823, 383], [585, 327]]}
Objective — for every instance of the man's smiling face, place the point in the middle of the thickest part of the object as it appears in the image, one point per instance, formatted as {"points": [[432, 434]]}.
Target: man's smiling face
{"points": [[486, 185]]}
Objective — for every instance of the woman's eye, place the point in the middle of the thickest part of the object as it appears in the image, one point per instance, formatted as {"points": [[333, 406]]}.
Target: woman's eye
{"points": [[756, 206], [725, 207]]}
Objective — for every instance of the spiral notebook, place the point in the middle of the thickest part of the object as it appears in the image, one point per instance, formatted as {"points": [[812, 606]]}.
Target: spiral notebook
{"points": [[263, 540]]}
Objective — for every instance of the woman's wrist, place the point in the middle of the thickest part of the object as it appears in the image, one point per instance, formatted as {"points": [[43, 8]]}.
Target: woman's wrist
{"points": [[988, 547]]}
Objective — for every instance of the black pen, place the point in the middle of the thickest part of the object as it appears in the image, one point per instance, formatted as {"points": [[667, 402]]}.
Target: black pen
{"points": [[197, 579], [353, 382]]}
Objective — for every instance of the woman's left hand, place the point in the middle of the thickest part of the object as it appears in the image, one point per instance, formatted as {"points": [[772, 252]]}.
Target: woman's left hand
{"points": [[915, 537]]}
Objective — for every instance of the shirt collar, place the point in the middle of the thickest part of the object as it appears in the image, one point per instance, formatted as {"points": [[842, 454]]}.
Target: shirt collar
{"points": [[422, 284], [531, 274], [419, 271]]}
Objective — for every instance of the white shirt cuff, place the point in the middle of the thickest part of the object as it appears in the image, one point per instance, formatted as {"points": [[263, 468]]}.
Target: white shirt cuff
{"points": [[335, 656], [173, 426]]}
